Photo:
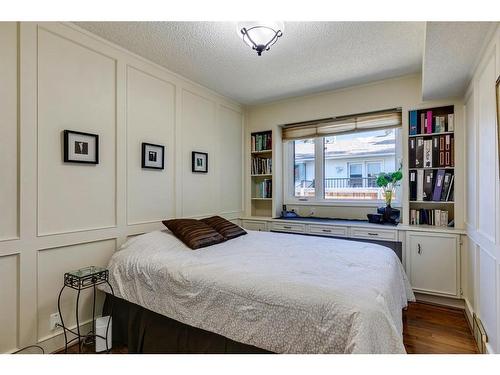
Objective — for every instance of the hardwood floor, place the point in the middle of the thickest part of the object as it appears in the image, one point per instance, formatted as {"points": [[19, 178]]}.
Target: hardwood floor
{"points": [[428, 329]]}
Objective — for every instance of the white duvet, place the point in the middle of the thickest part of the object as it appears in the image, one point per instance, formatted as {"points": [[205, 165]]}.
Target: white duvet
{"points": [[281, 292]]}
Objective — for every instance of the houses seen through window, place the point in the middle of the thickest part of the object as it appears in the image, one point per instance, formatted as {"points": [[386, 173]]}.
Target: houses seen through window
{"points": [[351, 163]]}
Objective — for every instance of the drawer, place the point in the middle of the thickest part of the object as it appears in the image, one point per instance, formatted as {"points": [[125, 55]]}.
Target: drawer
{"points": [[254, 225], [374, 234], [285, 227], [328, 230]]}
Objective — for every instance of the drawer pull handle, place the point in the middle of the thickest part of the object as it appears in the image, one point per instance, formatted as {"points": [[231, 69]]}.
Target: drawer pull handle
{"points": [[373, 234], [287, 227], [327, 230], [419, 251]]}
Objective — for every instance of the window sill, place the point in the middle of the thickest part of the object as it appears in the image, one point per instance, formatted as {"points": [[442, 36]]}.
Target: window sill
{"points": [[341, 203]]}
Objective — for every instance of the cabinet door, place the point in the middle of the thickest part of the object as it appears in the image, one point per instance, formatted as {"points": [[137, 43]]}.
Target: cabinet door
{"points": [[434, 263], [254, 225]]}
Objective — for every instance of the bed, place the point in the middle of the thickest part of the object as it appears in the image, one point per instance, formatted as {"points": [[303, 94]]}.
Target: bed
{"points": [[276, 292]]}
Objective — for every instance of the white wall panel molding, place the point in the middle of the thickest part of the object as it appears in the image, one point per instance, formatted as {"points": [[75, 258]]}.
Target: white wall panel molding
{"points": [[9, 131], [150, 119], [483, 241], [28, 187], [9, 248], [52, 264], [151, 66], [199, 132], [483, 194], [69, 194], [9, 295], [62, 75]]}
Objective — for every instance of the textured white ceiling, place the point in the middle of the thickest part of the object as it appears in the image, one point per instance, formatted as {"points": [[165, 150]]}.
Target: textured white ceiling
{"points": [[451, 51], [310, 57]]}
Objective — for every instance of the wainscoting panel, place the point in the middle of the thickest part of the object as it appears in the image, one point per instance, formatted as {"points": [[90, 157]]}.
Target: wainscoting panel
{"points": [[486, 149], [481, 279], [9, 275], [150, 119], [231, 162], [56, 216], [8, 131], [488, 294], [199, 132], [52, 264], [471, 160], [76, 91]]}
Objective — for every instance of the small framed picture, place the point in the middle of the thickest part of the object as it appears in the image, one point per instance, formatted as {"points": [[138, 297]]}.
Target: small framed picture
{"points": [[81, 147], [199, 162], [153, 156]]}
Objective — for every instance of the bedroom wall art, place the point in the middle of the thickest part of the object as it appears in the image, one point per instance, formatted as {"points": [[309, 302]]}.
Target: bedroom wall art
{"points": [[153, 156], [199, 162], [81, 147]]}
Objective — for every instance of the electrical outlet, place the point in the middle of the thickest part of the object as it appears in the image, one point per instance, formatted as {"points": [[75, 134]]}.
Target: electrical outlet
{"points": [[53, 321]]}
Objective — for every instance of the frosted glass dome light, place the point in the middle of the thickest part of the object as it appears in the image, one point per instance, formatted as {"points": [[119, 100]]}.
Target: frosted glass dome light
{"points": [[260, 35]]}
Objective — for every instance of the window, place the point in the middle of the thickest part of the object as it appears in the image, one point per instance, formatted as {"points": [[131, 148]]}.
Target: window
{"points": [[343, 167], [304, 165], [373, 170]]}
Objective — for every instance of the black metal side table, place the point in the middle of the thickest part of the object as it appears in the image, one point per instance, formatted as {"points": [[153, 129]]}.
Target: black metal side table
{"points": [[88, 277]]}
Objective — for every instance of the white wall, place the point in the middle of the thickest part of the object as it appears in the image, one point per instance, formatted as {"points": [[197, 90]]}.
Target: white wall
{"points": [[481, 256], [56, 216]]}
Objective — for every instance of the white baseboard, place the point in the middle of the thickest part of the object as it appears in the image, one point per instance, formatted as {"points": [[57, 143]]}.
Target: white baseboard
{"points": [[469, 313], [55, 343], [489, 349], [439, 300]]}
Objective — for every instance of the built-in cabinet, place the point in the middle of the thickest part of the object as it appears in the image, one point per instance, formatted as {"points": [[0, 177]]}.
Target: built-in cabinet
{"points": [[431, 259], [433, 263], [257, 225]]}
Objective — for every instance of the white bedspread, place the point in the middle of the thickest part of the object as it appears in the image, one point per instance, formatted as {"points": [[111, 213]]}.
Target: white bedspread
{"points": [[281, 292]]}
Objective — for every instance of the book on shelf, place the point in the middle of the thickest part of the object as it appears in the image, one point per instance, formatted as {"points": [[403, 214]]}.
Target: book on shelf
{"points": [[412, 150], [447, 150], [451, 122], [452, 152], [435, 151], [425, 122], [420, 185], [428, 184], [438, 186], [428, 153], [435, 217], [449, 192], [431, 185], [261, 142], [261, 165], [264, 189], [446, 186], [413, 123], [413, 185], [419, 153], [428, 122]]}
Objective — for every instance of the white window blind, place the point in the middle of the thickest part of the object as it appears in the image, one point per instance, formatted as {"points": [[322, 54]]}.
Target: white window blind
{"points": [[345, 124]]}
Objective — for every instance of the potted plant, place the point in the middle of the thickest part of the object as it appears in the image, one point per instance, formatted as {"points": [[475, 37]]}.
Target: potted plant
{"points": [[388, 181]]}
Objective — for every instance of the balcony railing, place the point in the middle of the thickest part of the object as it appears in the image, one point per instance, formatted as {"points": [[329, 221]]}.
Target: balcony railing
{"points": [[342, 183]]}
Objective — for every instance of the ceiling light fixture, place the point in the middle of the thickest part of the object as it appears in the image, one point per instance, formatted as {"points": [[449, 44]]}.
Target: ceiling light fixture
{"points": [[260, 35]]}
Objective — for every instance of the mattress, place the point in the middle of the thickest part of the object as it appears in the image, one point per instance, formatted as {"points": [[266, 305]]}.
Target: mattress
{"points": [[281, 292]]}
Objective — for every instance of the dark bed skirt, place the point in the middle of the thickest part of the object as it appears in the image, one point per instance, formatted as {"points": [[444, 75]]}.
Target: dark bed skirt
{"points": [[144, 331]]}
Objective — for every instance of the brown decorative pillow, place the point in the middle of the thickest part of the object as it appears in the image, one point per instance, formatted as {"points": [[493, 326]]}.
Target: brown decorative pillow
{"points": [[224, 227], [194, 233]]}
